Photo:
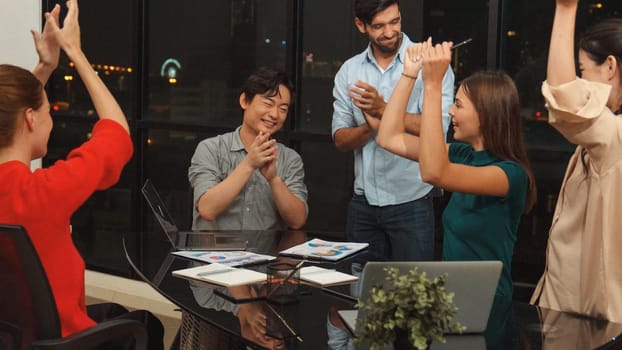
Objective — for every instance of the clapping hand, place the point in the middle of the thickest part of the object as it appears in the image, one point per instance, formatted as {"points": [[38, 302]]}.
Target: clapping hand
{"points": [[268, 170], [372, 122], [367, 98], [261, 151]]}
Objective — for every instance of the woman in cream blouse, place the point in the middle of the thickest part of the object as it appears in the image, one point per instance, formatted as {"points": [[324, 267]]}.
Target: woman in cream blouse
{"points": [[583, 271]]}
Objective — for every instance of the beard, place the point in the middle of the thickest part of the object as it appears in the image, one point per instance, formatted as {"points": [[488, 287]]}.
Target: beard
{"points": [[387, 49]]}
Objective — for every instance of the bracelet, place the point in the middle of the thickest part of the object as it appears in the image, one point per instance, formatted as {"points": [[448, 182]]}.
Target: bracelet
{"points": [[409, 76]]}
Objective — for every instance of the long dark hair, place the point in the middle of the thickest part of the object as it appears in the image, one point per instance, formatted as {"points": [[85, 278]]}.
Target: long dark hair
{"points": [[496, 101], [19, 90]]}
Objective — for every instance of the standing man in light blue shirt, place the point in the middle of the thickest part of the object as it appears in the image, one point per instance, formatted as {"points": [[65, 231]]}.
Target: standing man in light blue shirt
{"points": [[391, 208]]}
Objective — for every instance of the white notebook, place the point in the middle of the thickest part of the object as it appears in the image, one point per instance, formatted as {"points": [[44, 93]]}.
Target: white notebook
{"points": [[325, 277], [221, 275], [318, 249], [230, 258]]}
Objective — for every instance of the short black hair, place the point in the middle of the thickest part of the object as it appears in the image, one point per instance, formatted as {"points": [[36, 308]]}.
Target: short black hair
{"points": [[265, 80], [365, 10]]}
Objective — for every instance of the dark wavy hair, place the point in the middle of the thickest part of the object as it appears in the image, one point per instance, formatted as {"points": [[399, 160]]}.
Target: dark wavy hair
{"points": [[19, 90], [365, 10], [495, 98]]}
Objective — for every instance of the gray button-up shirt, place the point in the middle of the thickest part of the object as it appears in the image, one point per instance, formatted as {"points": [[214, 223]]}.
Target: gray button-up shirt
{"points": [[254, 208]]}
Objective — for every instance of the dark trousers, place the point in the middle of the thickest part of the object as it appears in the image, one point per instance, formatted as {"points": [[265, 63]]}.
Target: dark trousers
{"points": [[402, 232], [112, 311]]}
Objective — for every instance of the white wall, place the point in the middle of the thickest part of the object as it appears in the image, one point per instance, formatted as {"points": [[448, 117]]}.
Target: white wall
{"points": [[16, 19]]}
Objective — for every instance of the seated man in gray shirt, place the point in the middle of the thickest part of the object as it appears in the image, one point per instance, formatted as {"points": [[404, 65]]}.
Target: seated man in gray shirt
{"points": [[245, 179]]}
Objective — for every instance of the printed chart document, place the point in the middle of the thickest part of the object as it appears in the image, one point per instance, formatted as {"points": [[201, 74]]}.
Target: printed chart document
{"points": [[221, 275], [229, 258], [325, 277], [318, 249]]}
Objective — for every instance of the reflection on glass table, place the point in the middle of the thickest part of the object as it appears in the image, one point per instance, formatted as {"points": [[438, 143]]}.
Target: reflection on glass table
{"points": [[239, 318]]}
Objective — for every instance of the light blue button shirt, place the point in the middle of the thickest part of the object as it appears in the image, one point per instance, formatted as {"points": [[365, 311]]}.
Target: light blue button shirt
{"points": [[383, 177]]}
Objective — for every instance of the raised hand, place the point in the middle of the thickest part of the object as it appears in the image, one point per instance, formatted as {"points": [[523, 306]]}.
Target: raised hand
{"points": [[68, 37], [436, 60], [367, 98], [414, 56], [45, 43]]}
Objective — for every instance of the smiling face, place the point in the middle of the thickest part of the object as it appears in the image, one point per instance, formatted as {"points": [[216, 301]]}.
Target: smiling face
{"points": [[465, 120], [384, 31], [266, 113]]}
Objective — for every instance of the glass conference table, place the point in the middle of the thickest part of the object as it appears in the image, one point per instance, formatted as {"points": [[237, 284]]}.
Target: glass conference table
{"points": [[221, 318]]}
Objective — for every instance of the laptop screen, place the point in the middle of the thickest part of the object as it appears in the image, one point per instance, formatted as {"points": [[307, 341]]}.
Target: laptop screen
{"points": [[473, 283], [161, 213]]}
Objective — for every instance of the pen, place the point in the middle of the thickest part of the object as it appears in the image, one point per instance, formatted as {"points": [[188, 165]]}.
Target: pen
{"points": [[285, 323], [462, 43], [214, 272], [289, 275], [292, 272]]}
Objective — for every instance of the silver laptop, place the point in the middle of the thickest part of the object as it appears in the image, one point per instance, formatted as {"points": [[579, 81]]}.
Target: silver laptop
{"points": [[473, 283], [189, 240]]}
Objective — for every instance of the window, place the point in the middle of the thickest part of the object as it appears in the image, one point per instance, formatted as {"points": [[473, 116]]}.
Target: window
{"points": [[199, 53], [177, 72]]}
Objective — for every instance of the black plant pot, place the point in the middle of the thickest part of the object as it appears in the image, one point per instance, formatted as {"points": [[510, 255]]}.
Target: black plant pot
{"points": [[402, 342]]}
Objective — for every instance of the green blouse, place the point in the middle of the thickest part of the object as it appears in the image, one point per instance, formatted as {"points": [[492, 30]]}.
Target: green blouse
{"points": [[484, 227]]}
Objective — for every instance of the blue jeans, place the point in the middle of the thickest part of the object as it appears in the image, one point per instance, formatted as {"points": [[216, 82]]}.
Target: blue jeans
{"points": [[402, 232]]}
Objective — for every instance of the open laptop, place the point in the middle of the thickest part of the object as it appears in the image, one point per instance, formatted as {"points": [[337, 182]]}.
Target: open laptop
{"points": [[473, 283], [189, 240]]}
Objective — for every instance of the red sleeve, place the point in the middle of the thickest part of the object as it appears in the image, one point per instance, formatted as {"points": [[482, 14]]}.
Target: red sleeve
{"points": [[95, 165]]}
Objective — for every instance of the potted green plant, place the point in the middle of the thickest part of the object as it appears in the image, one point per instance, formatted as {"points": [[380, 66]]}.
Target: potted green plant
{"points": [[413, 307]]}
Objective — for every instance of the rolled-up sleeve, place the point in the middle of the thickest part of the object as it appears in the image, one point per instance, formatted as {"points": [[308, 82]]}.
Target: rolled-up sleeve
{"points": [[578, 110], [293, 175], [342, 111], [204, 172]]}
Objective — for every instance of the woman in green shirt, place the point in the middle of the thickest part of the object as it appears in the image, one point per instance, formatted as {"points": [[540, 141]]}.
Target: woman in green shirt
{"points": [[488, 173]]}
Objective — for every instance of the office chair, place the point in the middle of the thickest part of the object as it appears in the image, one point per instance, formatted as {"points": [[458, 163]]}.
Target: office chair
{"points": [[28, 315]]}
